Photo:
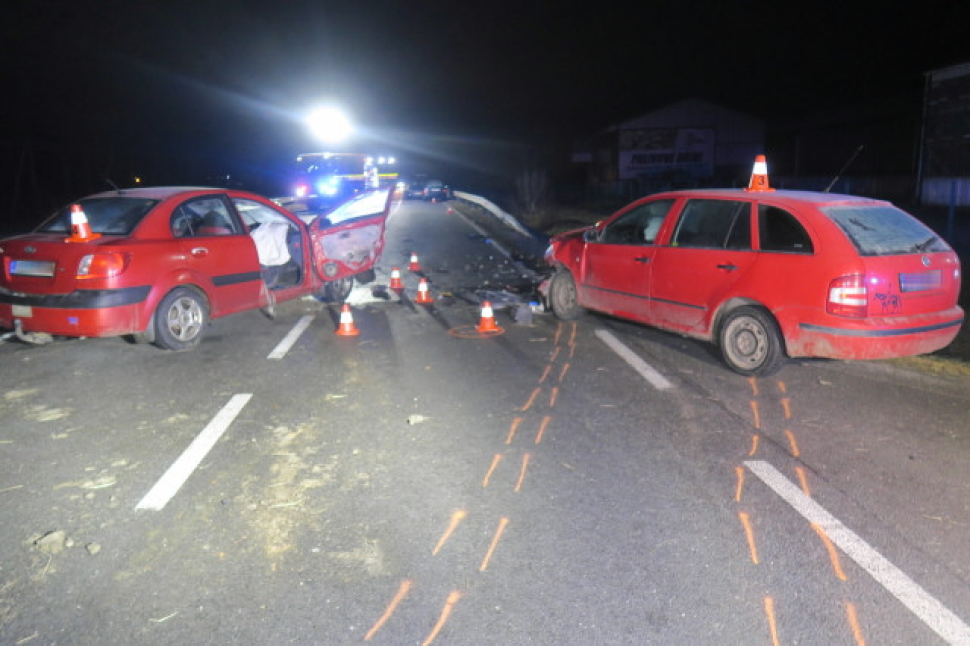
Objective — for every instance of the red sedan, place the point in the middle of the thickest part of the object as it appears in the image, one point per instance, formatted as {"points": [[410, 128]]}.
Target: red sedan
{"points": [[765, 273], [159, 263]]}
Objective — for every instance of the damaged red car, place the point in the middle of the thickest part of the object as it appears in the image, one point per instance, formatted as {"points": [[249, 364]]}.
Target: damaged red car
{"points": [[160, 263], [766, 274]]}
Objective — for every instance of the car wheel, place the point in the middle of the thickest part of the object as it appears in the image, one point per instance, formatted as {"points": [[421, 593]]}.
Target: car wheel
{"points": [[181, 319], [337, 291], [563, 297], [750, 342]]}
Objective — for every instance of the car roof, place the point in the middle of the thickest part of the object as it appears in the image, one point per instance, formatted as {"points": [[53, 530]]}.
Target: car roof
{"points": [[816, 198], [157, 192]]}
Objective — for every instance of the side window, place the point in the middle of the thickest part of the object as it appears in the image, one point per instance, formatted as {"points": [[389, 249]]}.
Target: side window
{"points": [[205, 216], [638, 226], [714, 224], [779, 230]]}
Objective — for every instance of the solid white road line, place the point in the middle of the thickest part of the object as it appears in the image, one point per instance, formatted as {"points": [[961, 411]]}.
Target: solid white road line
{"points": [[933, 613], [646, 371], [280, 351], [169, 484]]}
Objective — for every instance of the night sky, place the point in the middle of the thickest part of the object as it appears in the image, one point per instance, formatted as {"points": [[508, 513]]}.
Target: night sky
{"points": [[222, 81]]}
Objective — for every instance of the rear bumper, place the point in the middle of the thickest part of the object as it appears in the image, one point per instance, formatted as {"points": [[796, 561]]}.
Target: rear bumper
{"points": [[92, 313], [877, 342]]}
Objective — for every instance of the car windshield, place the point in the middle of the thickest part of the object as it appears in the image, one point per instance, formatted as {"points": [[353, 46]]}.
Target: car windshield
{"points": [[115, 215], [879, 230]]}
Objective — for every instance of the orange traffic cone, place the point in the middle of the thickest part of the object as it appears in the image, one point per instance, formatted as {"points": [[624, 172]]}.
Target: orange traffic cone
{"points": [[80, 229], [759, 175], [424, 296], [414, 266], [396, 279], [347, 327], [487, 322]]}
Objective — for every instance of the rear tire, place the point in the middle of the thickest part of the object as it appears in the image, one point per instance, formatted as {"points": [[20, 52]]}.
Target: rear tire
{"points": [[181, 319], [750, 342], [563, 296]]}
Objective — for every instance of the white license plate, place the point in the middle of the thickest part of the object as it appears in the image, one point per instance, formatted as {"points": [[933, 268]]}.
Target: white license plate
{"points": [[41, 268], [23, 311]]}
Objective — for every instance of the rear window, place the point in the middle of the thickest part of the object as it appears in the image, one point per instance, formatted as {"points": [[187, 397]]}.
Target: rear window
{"points": [[884, 230], [106, 215]]}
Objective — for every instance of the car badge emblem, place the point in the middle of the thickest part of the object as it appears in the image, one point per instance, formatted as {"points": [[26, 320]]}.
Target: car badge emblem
{"points": [[29, 249], [926, 261]]}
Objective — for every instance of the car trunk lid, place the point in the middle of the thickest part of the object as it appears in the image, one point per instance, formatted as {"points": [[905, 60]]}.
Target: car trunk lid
{"points": [[43, 263]]}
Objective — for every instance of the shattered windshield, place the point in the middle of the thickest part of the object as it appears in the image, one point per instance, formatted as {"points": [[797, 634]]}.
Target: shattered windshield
{"points": [[115, 215], [879, 230]]}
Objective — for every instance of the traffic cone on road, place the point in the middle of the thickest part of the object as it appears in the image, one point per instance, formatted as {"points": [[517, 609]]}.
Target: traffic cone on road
{"points": [[424, 296], [414, 266], [80, 228], [487, 322], [759, 175], [347, 327], [396, 283]]}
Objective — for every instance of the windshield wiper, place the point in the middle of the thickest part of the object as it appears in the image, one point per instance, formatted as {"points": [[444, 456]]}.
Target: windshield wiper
{"points": [[923, 246]]}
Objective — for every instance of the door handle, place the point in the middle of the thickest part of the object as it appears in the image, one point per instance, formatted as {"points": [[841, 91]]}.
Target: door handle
{"points": [[727, 267], [642, 259], [199, 252]]}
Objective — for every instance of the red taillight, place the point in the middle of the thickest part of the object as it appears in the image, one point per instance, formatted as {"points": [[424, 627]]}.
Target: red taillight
{"points": [[848, 296], [302, 190], [102, 265]]}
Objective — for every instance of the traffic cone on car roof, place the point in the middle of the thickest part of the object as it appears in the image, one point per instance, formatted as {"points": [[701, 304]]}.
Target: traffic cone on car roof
{"points": [[347, 327], [80, 228], [424, 296], [759, 175], [414, 265], [487, 322], [396, 283]]}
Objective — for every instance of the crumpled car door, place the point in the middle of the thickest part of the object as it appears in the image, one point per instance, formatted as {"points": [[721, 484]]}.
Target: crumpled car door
{"points": [[349, 239]]}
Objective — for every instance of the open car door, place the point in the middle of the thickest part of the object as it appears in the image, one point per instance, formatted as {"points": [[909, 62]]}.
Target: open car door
{"points": [[349, 239]]}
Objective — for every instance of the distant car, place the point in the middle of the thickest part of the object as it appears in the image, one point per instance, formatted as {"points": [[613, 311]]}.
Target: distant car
{"points": [[414, 189], [436, 190], [159, 263], [765, 273]]}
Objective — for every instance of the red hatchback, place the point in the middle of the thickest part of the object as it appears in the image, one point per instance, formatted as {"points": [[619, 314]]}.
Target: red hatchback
{"points": [[765, 273], [159, 263]]}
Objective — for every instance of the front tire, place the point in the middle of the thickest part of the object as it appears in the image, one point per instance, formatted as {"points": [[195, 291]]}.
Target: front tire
{"points": [[750, 342], [563, 296], [181, 319], [337, 291]]}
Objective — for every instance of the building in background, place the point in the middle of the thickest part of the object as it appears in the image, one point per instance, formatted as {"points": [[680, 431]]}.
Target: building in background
{"points": [[943, 173]]}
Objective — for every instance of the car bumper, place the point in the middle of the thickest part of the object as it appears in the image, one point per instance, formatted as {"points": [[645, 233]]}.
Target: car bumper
{"points": [[92, 313], [918, 335]]}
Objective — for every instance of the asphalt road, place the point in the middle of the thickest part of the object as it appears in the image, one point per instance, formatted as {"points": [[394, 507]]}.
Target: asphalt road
{"points": [[419, 483]]}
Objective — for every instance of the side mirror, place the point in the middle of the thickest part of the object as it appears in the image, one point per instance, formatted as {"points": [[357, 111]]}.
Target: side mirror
{"points": [[592, 234]]}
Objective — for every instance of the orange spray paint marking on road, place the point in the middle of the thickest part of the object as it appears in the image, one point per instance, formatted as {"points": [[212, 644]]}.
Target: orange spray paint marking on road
{"points": [[401, 593], [772, 624], [502, 523], [784, 404], [572, 335], [791, 440], [555, 340], [800, 472], [562, 373], [749, 533], [854, 624], [525, 464], [495, 461], [782, 387], [737, 493], [754, 386], [553, 396], [515, 425], [453, 598], [545, 373], [754, 444], [532, 398], [830, 548], [456, 517], [555, 353], [754, 411], [542, 427], [572, 350]]}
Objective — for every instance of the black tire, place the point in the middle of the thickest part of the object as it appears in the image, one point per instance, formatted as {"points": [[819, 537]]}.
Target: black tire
{"points": [[337, 291], [563, 296], [181, 319], [750, 342]]}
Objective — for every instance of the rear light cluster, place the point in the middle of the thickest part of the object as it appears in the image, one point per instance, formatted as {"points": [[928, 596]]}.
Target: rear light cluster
{"points": [[848, 296], [106, 264]]}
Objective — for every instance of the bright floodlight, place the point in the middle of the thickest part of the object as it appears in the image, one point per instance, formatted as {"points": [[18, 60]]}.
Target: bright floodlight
{"points": [[330, 125]]}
